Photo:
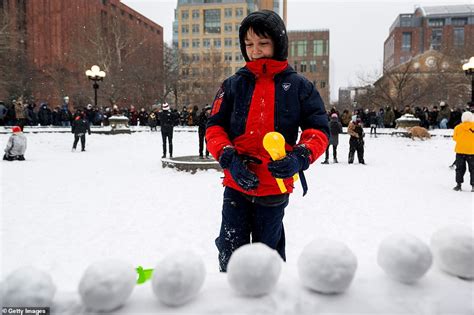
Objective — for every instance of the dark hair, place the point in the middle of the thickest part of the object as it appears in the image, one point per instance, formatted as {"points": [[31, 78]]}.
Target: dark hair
{"points": [[265, 23]]}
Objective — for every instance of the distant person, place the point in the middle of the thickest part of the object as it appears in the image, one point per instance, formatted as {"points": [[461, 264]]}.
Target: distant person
{"points": [[443, 115], [356, 141], [168, 120], [202, 121], [335, 128], [16, 146], [80, 126], [464, 137]]}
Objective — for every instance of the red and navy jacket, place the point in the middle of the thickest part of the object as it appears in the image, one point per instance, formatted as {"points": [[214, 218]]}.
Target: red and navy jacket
{"points": [[266, 95]]}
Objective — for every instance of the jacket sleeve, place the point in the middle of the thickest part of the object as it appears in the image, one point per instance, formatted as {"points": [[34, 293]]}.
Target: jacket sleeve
{"points": [[314, 121], [9, 144], [217, 124]]}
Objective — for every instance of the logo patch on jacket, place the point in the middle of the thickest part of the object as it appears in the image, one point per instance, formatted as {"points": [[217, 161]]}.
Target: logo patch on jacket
{"points": [[286, 86]]}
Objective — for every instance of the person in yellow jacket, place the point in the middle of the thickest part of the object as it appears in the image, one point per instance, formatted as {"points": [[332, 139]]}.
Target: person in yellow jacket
{"points": [[464, 137]]}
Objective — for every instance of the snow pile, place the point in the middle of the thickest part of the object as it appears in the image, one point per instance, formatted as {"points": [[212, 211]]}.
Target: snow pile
{"points": [[404, 257], [327, 266], [254, 269], [453, 249], [107, 284], [27, 286], [178, 278]]}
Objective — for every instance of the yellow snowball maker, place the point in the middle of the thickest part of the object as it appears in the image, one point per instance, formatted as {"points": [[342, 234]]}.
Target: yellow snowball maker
{"points": [[274, 143]]}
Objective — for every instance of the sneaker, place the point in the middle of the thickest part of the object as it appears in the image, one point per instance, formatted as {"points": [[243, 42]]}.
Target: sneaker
{"points": [[457, 187], [201, 157], [335, 161], [83, 150], [472, 189], [164, 156], [325, 162]]}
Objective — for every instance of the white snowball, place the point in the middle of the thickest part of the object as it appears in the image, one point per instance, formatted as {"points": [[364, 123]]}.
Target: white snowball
{"points": [[327, 266], [106, 285], [404, 257], [254, 269], [453, 249], [28, 286], [178, 277]]}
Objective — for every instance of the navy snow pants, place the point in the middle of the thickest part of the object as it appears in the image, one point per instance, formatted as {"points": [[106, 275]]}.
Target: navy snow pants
{"points": [[244, 221]]}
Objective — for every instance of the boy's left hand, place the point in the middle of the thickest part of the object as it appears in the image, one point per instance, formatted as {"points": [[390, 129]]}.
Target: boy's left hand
{"points": [[295, 161]]}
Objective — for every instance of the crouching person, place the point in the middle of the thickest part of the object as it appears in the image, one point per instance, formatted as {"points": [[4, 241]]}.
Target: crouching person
{"points": [[16, 146]]}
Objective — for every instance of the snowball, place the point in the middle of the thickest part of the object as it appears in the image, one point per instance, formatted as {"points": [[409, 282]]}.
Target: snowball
{"points": [[453, 249], [254, 269], [404, 257], [327, 266], [178, 278], [28, 286], [107, 284]]}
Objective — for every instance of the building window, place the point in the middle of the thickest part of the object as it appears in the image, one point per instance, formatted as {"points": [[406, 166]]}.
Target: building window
{"points": [[405, 20], [435, 22], [326, 48], [227, 71], [228, 42], [237, 26], [227, 56], [301, 48], [228, 12], [185, 71], [238, 57], [296, 65], [318, 47], [458, 37], [206, 43], [227, 27], [184, 15], [406, 41], [436, 37], [303, 66], [195, 28], [239, 12], [196, 57], [184, 43], [212, 21], [312, 66], [459, 21], [322, 84], [196, 43], [206, 57], [185, 29], [237, 42], [217, 42], [195, 14]]}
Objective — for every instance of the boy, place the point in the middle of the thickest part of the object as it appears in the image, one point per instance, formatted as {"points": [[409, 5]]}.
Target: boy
{"points": [[266, 95], [16, 146], [464, 137]]}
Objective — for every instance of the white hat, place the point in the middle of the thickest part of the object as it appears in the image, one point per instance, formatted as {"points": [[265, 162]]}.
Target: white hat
{"points": [[166, 106], [442, 103], [466, 116]]}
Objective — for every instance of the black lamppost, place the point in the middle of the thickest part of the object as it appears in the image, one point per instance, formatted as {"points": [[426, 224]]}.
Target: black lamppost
{"points": [[95, 75], [468, 68]]}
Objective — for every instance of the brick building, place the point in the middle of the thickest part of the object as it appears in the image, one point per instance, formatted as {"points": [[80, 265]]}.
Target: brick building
{"points": [[309, 55], [61, 40], [447, 29]]}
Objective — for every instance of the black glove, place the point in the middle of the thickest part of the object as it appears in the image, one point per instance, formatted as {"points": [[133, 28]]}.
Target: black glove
{"points": [[238, 169], [295, 161]]}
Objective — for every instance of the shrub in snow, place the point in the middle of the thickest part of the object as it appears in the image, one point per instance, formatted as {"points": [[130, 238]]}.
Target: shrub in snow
{"points": [[327, 266], [404, 257], [27, 286], [254, 269], [178, 278], [453, 249], [106, 285]]}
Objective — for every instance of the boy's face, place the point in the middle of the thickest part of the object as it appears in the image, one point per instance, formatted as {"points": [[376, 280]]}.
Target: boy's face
{"points": [[258, 47]]}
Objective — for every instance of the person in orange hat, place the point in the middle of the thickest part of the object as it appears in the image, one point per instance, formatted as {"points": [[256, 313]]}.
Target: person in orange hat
{"points": [[16, 146]]}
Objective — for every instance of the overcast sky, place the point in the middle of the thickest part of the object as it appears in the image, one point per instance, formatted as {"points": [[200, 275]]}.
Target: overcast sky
{"points": [[357, 29]]}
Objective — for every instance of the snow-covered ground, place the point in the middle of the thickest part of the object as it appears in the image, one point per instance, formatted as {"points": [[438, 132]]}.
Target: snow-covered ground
{"points": [[61, 211]]}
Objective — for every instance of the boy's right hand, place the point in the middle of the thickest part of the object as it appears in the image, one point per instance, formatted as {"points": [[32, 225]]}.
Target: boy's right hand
{"points": [[237, 168]]}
